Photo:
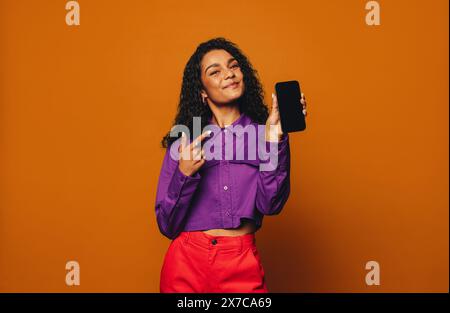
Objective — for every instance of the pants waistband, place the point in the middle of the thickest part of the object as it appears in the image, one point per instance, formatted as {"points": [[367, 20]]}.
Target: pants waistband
{"points": [[207, 241]]}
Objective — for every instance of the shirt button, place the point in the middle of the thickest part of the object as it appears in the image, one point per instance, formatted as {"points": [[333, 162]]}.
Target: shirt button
{"points": [[214, 241], [225, 187]]}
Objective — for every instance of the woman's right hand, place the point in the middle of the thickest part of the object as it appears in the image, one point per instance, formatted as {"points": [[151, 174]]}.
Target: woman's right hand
{"points": [[191, 156]]}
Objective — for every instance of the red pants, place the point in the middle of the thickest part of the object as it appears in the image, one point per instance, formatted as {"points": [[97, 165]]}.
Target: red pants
{"points": [[199, 262]]}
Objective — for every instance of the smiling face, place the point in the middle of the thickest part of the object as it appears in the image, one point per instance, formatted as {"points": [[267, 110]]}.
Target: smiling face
{"points": [[222, 79]]}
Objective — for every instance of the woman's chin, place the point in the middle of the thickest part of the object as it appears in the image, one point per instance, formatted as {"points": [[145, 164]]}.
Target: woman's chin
{"points": [[230, 101], [232, 97]]}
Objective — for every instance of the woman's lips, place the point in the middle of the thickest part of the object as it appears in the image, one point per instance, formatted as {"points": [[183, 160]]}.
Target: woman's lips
{"points": [[233, 85]]}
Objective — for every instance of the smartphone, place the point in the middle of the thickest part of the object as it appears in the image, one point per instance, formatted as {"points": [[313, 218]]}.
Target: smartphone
{"points": [[291, 110]]}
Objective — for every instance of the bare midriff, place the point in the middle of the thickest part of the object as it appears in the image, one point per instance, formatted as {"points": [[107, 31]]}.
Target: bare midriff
{"points": [[247, 227]]}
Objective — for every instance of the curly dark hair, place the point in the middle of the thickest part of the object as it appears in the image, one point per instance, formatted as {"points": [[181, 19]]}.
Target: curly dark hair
{"points": [[190, 104]]}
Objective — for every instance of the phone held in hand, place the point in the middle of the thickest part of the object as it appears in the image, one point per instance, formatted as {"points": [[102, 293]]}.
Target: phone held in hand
{"points": [[289, 105]]}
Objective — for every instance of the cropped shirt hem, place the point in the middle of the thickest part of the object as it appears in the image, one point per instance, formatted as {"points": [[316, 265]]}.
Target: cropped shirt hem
{"points": [[237, 221]]}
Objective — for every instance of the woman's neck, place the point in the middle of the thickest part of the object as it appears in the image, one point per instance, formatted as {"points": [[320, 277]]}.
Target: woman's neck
{"points": [[225, 115]]}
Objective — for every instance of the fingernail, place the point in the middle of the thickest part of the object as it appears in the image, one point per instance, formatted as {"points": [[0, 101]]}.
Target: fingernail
{"points": [[183, 135], [208, 132], [273, 95]]}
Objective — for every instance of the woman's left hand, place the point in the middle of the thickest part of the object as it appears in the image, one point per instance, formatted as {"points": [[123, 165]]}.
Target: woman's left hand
{"points": [[274, 119]]}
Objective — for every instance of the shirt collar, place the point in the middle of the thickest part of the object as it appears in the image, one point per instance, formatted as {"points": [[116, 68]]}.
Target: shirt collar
{"points": [[242, 120]]}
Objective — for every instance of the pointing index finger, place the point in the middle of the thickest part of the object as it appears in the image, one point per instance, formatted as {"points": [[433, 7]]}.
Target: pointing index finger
{"points": [[200, 138]]}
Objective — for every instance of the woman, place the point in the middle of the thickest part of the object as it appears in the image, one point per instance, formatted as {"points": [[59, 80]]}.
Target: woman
{"points": [[212, 208]]}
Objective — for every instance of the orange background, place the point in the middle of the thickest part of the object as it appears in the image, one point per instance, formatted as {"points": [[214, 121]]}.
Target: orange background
{"points": [[83, 110]]}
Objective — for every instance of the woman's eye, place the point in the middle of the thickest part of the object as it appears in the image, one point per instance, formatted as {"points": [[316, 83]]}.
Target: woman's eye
{"points": [[215, 72]]}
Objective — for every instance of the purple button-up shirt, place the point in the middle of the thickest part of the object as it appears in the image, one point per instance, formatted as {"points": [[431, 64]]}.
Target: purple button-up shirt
{"points": [[225, 190]]}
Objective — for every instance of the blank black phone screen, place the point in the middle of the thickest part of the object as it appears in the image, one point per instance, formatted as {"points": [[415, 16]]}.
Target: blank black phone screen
{"points": [[291, 115]]}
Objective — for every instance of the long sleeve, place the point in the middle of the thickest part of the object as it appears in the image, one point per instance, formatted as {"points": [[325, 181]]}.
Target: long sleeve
{"points": [[174, 193], [274, 185]]}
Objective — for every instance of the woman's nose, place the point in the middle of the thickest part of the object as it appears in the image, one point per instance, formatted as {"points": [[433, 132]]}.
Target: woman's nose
{"points": [[229, 73]]}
